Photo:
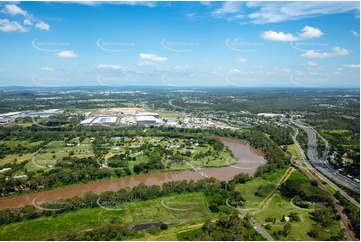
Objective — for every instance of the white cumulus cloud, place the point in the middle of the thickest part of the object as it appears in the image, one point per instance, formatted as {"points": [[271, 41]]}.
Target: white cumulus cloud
{"points": [[147, 63], [152, 57], [42, 25], [235, 71], [27, 22], [181, 68], [14, 10], [277, 36], [337, 51], [353, 66], [47, 69], [108, 67], [307, 33], [67, 54], [238, 59], [9, 26], [310, 32], [311, 64]]}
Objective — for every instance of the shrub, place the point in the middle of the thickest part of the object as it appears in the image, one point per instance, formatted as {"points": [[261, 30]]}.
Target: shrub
{"points": [[164, 227]]}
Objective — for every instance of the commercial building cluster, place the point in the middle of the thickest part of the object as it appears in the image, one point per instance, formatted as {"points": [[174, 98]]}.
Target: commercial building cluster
{"points": [[136, 118], [7, 118]]}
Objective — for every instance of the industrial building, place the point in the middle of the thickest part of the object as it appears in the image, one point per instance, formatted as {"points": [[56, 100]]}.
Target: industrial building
{"points": [[46, 113], [24, 114], [87, 121], [155, 115], [9, 114], [105, 120], [146, 120], [4, 121], [270, 115]]}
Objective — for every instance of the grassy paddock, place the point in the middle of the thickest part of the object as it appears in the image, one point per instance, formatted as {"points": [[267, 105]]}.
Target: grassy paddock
{"points": [[140, 212], [281, 206], [11, 158], [269, 183], [339, 131], [293, 150]]}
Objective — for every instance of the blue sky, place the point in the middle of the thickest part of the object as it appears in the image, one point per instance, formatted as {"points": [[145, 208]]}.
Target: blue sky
{"points": [[241, 44]]}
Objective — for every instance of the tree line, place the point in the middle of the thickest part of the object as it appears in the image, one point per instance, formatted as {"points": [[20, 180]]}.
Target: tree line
{"points": [[210, 186]]}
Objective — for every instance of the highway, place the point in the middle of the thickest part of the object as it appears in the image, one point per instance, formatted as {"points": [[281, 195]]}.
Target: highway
{"points": [[344, 223], [323, 169]]}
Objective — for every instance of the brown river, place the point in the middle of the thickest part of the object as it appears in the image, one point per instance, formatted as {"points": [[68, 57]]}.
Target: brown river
{"points": [[249, 159]]}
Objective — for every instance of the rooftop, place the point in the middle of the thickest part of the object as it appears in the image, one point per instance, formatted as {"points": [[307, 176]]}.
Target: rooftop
{"points": [[146, 118]]}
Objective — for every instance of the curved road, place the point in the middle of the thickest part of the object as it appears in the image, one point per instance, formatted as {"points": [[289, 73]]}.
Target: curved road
{"points": [[256, 225], [321, 163], [324, 171], [308, 171]]}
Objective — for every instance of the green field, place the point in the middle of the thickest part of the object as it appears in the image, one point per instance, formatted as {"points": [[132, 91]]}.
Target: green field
{"points": [[281, 206], [331, 189], [222, 159], [11, 158], [294, 151], [140, 212], [249, 189], [165, 114], [55, 151], [21, 123], [340, 131], [24, 143]]}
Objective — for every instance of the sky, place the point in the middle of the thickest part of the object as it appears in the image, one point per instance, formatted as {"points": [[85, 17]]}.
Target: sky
{"points": [[180, 44]]}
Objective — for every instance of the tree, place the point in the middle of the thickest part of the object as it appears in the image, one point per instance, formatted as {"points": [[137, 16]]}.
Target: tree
{"points": [[294, 216], [268, 226], [259, 191], [287, 229], [164, 227], [269, 219], [313, 233], [314, 183], [208, 226], [152, 229], [214, 208], [341, 234], [29, 212]]}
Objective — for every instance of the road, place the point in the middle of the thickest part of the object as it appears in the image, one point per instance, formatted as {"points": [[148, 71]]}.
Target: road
{"points": [[256, 225], [308, 171], [174, 106], [323, 164], [323, 169]]}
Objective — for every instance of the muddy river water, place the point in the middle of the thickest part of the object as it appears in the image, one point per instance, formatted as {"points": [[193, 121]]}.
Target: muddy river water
{"points": [[248, 161]]}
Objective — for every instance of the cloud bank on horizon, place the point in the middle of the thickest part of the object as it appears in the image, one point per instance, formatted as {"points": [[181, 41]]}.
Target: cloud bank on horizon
{"points": [[241, 44]]}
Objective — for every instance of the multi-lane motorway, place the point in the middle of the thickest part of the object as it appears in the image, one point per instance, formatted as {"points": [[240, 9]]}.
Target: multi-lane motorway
{"points": [[323, 169]]}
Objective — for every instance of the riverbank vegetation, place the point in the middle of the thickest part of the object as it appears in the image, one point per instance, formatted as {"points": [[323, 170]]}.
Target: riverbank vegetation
{"points": [[195, 202], [58, 163]]}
